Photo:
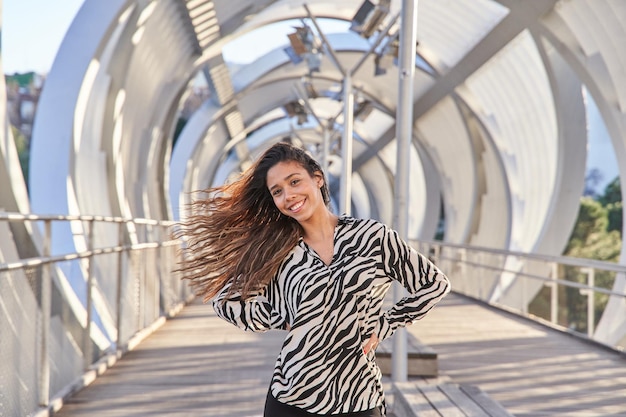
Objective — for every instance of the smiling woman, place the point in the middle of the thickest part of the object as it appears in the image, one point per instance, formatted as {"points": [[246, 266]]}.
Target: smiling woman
{"points": [[272, 255]]}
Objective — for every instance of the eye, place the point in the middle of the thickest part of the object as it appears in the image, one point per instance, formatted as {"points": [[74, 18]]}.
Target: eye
{"points": [[295, 181], [276, 192]]}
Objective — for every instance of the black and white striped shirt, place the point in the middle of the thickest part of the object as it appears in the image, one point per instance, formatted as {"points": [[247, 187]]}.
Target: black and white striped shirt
{"points": [[332, 310]]}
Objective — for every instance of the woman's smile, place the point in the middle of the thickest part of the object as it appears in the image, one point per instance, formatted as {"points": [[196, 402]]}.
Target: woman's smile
{"points": [[296, 207]]}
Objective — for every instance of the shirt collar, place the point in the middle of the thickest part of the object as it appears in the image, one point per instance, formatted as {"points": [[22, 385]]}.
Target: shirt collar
{"points": [[345, 219]]}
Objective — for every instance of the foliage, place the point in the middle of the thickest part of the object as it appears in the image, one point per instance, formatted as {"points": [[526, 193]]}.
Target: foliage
{"points": [[612, 200], [596, 235], [21, 144]]}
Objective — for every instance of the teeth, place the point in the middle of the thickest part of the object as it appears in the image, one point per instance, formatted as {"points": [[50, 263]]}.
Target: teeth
{"points": [[297, 206]]}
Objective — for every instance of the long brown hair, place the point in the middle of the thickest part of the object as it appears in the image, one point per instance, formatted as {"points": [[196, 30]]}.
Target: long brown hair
{"points": [[235, 234]]}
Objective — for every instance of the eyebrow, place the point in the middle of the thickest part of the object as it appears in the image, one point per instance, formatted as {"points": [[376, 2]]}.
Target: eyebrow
{"points": [[285, 179]]}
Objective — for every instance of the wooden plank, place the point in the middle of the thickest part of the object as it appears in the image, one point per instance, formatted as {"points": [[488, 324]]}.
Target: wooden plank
{"points": [[440, 401], [491, 407], [420, 398], [415, 404], [422, 360], [213, 369], [460, 398]]}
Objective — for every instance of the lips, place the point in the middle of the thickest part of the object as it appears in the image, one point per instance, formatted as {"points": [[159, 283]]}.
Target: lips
{"points": [[296, 207]]}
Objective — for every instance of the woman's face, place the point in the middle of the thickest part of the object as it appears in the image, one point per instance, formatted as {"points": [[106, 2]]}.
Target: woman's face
{"points": [[295, 192]]}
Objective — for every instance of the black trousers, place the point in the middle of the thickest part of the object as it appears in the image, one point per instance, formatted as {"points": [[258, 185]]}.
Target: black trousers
{"points": [[274, 408]]}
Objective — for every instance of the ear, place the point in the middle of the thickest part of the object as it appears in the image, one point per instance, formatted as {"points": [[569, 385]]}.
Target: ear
{"points": [[319, 179]]}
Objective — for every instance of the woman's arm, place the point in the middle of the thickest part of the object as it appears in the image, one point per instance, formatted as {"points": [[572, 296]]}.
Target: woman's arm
{"points": [[426, 284], [253, 314]]}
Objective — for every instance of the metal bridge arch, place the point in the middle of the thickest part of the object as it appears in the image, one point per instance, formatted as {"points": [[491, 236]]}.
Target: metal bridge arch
{"points": [[499, 137]]}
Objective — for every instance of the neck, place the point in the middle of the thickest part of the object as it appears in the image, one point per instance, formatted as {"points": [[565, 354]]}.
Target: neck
{"points": [[320, 226]]}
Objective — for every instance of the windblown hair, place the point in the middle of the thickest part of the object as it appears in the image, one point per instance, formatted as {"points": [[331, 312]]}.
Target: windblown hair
{"points": [[236, 235]]}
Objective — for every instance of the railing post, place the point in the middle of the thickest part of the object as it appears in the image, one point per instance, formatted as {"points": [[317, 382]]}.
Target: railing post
{"points": [[554, 294], [482, 272], [87, 344], [345, 183], [120, 283], [463, 269], [404, 138], [589, 292], [522, 277], [156, 276], [141, 286], [44, 364]]}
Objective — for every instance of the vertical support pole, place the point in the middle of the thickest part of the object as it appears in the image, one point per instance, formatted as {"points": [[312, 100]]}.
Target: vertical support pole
{"points": [[591, 322], [590, 293], [87, 348], [156, 273], [404, 135], [523, 278], [120, 285], [44, 361], [325, 149], [554, 294], [345, 185]]}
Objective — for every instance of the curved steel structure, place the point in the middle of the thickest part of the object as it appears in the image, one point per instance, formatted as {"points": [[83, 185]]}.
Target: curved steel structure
{"points": [[499, 140]]}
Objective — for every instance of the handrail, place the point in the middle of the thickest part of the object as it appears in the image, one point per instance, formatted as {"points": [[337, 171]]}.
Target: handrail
{"points": [[82, 217], [515, 281], [567, 260], [544, 279], [118, 283], [43, 260]]}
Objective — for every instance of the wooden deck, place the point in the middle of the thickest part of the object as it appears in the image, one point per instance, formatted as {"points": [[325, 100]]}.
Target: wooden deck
{"points": [[197, 365], [530, 369]]}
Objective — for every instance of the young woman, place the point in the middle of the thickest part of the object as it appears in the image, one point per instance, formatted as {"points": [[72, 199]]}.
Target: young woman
{"points": [[273, 256]]}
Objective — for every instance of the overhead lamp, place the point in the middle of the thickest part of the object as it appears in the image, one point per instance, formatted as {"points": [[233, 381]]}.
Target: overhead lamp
{"points": [[388, 55], [304, 46], [296, 109], [363, 109], [311, 92], [382, 62], [369, 17], [313, 61]]}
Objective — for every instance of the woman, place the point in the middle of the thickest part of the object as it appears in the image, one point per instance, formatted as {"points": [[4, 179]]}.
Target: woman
{"points": [[274, 256]]}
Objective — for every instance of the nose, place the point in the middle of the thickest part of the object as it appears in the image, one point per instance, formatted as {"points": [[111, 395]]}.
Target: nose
{"points": [[288, 194]]}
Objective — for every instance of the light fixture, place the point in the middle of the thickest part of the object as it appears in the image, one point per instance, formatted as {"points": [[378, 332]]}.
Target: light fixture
{"points": [[304, 46], [387, 56], [369, 17], [296, 109], [311, 92], [363, 109]]}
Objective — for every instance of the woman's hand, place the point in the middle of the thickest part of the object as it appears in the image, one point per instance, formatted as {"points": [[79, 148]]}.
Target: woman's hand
{"points": [[371, 344]]}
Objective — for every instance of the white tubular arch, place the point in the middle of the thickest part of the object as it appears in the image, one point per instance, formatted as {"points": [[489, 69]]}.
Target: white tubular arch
{"points": [[499, 135]]}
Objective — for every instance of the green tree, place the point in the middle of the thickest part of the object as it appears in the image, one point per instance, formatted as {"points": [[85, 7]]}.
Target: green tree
{"points": [[596, 235], [591, 237], [21, 144], [612, 200]]}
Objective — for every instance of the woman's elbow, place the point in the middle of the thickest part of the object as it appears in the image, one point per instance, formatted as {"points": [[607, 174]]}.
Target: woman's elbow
{"points": [[445, 282]]}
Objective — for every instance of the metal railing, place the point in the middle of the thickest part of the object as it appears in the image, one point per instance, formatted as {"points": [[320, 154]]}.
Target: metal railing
{"points": [[570, 294], [67, 314]]}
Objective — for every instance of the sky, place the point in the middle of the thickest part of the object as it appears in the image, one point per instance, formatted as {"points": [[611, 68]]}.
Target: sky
{"points": [[32, 31]]}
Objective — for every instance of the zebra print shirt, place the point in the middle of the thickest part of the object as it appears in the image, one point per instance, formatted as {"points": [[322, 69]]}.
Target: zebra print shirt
{"points": [[333, 310]]}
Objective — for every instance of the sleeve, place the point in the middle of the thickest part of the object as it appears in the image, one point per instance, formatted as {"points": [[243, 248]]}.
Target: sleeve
{"points": [[426, 284], [253, 314]]}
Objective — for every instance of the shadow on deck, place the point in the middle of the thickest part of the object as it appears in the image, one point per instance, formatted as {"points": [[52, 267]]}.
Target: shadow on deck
{"points": [[197, 365]]}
